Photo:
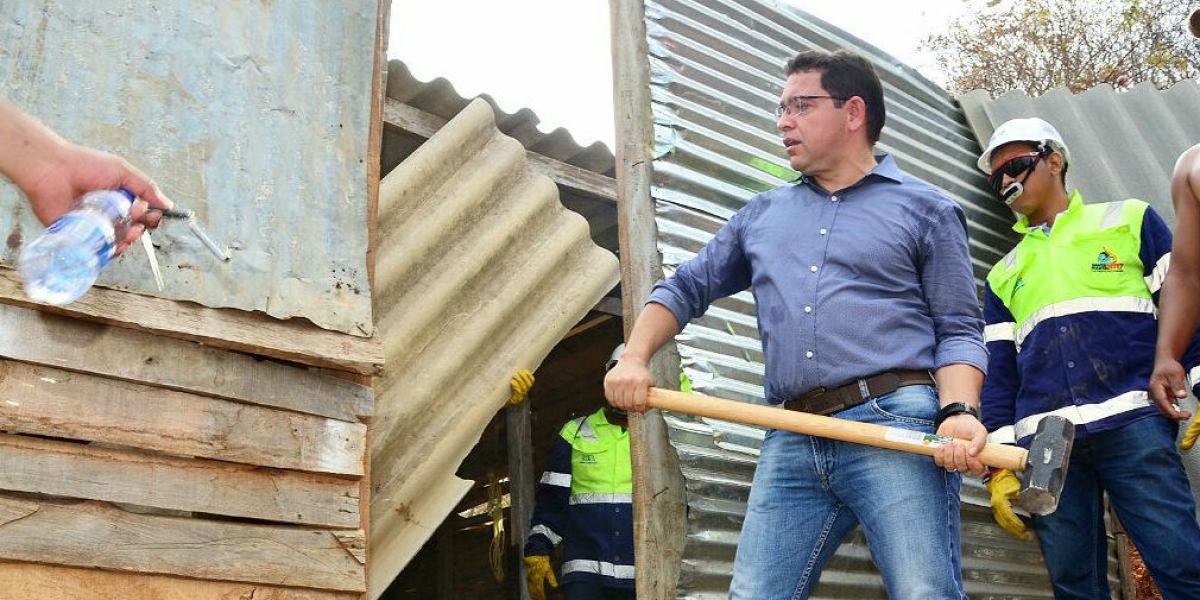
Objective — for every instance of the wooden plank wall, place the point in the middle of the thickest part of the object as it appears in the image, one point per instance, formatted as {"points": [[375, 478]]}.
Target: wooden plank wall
{"points": [[135, 465]]}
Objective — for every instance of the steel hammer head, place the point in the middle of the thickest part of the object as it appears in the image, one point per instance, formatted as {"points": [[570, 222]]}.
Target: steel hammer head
{"points": [[1046, 470]]}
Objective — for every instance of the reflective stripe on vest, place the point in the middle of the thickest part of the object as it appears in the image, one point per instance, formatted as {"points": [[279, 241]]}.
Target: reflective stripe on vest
{"points": [[599, 568], [556, 479], [1085, 413], [546, 531], [601, 498]]}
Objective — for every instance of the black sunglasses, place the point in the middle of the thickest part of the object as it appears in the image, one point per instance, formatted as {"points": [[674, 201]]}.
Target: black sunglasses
{"points": [[1013, 167]]}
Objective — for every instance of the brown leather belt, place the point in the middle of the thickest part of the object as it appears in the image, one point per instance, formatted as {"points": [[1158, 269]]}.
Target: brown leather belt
{"points": [[825, 401]]}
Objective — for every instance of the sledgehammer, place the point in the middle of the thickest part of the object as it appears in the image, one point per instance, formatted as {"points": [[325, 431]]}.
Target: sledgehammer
{"points": [[1043, 467]]}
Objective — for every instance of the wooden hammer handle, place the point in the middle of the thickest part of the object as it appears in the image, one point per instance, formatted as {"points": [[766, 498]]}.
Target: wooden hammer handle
{"points": [[994, 455]]}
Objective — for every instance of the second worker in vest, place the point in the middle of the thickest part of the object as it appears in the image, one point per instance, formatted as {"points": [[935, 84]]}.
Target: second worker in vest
{"points": [[585, 501], [1071, 330]]}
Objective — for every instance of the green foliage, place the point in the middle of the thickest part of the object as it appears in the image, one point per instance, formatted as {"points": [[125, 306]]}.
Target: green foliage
{"points": [[1038, 45]]}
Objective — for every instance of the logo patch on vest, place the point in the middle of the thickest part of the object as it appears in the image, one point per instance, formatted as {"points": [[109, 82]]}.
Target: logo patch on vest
{"points": [[1107, 261], [587, 459]]}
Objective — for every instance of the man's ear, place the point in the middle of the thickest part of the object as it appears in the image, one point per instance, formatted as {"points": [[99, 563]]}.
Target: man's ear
{"points": [[1055, 160], [856, 113]]}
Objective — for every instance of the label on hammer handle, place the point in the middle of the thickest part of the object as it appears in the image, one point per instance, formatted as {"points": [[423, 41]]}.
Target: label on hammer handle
{"points": [[915, 438]]}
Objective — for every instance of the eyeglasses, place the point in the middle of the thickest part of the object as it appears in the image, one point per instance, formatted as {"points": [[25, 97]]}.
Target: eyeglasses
{"points": [[1013, 167], [801, 105]]}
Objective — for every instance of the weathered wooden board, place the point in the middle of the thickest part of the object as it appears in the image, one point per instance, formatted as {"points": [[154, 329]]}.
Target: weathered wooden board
{"points": [[77, 470], [23, 581], [235, 330], [95, 534], [56, 341], [57, 403]]}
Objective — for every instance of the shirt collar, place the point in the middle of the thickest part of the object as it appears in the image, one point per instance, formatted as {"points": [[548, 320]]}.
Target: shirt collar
{"points": [[885, 166], [1074, 207]]}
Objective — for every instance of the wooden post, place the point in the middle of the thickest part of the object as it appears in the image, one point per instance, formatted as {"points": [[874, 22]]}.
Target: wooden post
{"points": [[658, 497], [520, 482], [445, 561]]}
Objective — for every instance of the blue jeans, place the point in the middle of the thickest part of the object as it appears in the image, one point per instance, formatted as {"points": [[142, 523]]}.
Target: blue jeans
{"points": [[810, 492], [1140, 469]]}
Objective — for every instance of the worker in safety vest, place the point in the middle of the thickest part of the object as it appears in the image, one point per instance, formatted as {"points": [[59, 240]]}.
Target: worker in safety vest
{"points": [[1071, 330], [585, 502]]}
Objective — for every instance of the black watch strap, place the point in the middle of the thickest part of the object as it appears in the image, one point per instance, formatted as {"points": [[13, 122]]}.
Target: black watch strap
{"points": [[954, 408]]}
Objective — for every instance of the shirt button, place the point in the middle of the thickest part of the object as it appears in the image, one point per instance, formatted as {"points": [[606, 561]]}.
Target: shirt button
{"points": [[1062, 329], [824, 231], [617, 534], [1070, 364], [807, 309], [808, 354], [813, 268], [833, 198]]}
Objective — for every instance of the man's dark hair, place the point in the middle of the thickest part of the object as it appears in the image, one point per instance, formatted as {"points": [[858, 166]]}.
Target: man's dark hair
{"points": [[846, 74]]}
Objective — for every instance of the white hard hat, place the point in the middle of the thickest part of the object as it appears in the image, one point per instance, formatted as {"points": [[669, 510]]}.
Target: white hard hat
{"points": [[1032, 130]]}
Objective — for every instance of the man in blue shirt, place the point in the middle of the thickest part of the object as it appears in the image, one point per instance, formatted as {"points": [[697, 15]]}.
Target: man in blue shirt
{"points": [[1071, 329], [863, 283]]}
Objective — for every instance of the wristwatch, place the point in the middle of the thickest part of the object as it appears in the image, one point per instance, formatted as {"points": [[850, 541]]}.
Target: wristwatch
{"points": [[954, 408]]}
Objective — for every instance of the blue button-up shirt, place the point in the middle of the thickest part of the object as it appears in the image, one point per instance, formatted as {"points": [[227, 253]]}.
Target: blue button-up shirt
{"points": [[871, 278]]}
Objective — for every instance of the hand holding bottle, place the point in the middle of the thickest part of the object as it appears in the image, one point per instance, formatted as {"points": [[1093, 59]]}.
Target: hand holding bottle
{"points": [[54, 173]]}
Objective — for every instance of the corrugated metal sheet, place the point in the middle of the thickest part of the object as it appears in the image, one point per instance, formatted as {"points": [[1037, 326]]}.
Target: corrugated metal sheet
{"points": [[255, 115], [717, 73], [1123, 145], [480, 271]]}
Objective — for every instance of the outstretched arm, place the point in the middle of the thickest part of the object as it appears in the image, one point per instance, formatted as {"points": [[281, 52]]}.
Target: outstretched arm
{"points": [[53, 173]]}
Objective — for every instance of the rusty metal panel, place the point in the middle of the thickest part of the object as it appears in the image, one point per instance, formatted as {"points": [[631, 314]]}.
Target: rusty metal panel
{"points": [[480, 271], [254, 114], [717, 73]]}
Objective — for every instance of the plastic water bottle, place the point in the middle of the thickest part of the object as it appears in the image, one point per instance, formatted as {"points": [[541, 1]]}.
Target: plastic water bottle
{"points": [[63, 263]]}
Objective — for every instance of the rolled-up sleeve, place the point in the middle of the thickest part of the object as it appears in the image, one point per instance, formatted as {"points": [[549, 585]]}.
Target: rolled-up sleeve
{"points": [[949, 285], [719, 270]]}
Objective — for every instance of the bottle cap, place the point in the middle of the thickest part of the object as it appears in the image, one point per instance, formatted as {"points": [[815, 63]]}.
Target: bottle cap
{"points": [[128, 194]]}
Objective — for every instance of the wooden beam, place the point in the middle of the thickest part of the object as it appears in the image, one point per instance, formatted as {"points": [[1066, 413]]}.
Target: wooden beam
{"points": [[520, 482], [659, 505], [21, 581], [294, 340], [66, 343], [403, 117], [51, 402], [94, 534], [77, 470]]}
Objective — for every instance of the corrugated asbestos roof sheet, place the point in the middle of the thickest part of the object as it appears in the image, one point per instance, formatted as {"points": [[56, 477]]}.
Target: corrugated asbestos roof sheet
{"points": [[717, 73], [1123, 145], [480, 271], [259, 121], [439, 97]]}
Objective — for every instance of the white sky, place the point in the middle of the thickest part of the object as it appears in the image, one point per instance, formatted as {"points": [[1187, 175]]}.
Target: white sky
{"points": [[553, 57]]}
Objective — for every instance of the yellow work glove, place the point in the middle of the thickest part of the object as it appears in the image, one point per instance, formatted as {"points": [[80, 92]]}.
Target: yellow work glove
{"points": [[1004, 487], [520, 383], [1189, 436], [539, 573]]}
